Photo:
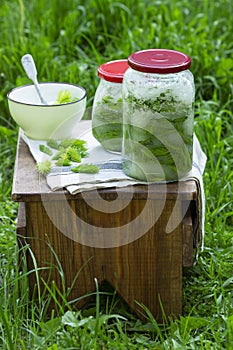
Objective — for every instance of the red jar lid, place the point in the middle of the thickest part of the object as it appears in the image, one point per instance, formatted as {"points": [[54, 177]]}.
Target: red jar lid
{"points": [[113, 71], [159, 61]]}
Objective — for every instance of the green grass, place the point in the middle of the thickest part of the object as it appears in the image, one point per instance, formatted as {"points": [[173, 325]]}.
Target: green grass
{"points": [[68, 40]]}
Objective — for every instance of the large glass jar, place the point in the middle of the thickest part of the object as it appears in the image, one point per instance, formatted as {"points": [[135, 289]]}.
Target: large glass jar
{"points": [[158, 99], [107, 106]]}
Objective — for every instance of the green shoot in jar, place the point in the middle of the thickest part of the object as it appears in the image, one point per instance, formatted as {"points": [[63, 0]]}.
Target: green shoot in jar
{"points": [[107, 123], [157, 138]]}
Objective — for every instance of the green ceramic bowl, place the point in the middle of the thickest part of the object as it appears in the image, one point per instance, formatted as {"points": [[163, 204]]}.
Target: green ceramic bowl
{"points": [[42, 122]]}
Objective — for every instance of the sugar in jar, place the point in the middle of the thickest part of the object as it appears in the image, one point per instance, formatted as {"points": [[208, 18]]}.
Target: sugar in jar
{"points": [[158, 98], [107, 105]]}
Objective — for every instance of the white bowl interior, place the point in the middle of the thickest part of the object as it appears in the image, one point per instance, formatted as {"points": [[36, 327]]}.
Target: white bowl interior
{"points": [[28, 95]]}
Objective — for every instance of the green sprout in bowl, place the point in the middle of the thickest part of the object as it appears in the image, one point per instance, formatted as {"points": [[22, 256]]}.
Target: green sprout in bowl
{"points": [[64, 96]]}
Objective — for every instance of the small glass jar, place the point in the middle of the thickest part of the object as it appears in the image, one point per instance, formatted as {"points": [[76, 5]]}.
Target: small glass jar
{"points": [[158, 98], [107, 111]]}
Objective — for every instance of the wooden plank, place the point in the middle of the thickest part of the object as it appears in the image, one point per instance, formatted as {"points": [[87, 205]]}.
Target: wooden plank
{"points": [[21, 220], [188, 240], [146, 270]]}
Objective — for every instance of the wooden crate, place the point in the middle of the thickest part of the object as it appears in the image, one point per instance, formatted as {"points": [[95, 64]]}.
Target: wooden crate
{"points": [[127, 245]]}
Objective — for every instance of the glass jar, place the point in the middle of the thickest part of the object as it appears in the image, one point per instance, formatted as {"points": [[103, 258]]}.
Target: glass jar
{"points": [[158, 98], [107, 111]]}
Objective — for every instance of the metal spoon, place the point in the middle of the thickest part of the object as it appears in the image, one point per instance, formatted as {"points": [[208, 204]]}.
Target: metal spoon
{"points": [[30, 69]]}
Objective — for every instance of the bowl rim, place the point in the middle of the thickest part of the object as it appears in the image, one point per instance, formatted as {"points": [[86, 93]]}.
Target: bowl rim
{"points": [[41, 105]]}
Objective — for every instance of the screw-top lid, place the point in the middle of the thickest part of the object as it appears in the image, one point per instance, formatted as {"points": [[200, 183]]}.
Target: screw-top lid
{"points": [[159, 61], [113, 71]]}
